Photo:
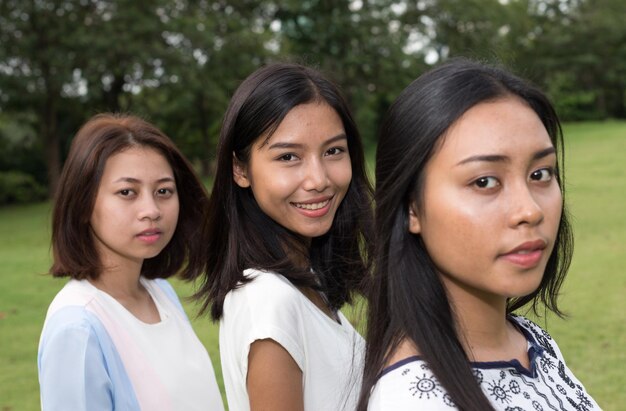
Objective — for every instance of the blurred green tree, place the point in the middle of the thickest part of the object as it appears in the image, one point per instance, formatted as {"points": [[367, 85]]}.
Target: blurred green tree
{"points": [[365, 46], [213, 46], [64, 60], [580, 54], [178, 62]]}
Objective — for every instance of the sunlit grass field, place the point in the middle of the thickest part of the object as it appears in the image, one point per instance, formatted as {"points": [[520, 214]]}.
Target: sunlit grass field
{"points": [[593, 338]]}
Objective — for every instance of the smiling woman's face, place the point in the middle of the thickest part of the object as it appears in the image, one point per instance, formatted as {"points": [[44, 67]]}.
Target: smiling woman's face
{"points": [[491, 202], [300, 175]]}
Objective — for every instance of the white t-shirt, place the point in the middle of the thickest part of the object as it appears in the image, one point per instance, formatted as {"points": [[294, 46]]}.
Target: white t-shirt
{"points": [[95, 355], [329, 354], [547, 386]]}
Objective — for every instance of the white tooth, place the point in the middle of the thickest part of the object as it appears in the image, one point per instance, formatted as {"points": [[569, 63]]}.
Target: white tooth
{"points": [[312, 206]]}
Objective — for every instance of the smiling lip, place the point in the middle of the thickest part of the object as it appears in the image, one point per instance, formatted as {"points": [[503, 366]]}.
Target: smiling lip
{"points": [[526, 255], [315, 208], [150, 236]]}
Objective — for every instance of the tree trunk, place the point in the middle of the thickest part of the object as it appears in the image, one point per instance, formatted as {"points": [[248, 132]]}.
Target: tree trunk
{"points": [[48, 111], [50, 134], [616, 109], [112, 97], [206, 156]]}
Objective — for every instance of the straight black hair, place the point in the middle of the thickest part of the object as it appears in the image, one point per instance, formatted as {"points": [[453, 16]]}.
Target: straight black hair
{"points": [[239, 235], [405, 295]]}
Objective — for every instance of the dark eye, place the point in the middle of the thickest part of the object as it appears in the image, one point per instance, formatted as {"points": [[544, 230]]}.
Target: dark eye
{"points": [[287, 157], [545, 174], [125, 193], [334, 151], [486, 182], [165, 192]]}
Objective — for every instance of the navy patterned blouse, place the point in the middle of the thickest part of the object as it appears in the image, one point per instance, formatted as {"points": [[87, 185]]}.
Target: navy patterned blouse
{"points": [[547, 386]]}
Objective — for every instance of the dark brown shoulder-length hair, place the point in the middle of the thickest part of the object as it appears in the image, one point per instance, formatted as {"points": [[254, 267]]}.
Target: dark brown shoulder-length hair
{"points": [[74, 251]]}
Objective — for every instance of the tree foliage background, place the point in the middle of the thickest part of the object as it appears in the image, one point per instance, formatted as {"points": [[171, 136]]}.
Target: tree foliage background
{"points": [[176, 63]]}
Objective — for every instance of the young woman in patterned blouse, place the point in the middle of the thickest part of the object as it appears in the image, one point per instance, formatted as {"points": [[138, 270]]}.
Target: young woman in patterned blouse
{"points": [[471, 226]]}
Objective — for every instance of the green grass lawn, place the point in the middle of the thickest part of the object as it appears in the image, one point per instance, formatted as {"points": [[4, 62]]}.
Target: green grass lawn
{"points": [[592, 339]]}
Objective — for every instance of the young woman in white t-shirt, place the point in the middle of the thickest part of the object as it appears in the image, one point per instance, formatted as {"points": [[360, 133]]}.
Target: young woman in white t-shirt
{"points": [[288, 225], [472, 226], [125, 218]]}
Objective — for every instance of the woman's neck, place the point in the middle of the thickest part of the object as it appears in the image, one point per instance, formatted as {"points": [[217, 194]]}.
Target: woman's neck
{"points": [[126, 288], [483, 328], [298, 252], [120, 280]]}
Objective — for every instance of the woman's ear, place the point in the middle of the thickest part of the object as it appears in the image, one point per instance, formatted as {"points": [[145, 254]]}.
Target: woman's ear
{"points": [[240, 174], [414, 221]]}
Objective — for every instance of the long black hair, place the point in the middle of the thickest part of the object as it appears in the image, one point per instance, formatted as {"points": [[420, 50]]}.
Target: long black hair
{"points": [[406, 296], [239, 235]]}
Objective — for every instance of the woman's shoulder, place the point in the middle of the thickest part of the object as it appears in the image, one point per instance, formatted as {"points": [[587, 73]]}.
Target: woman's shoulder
{"points": [[267, 285], [405, 352], [266, 307], [409, 384], [76, 293], [162, 284], [264, 276], [536, 335], [69, 315], [267, 298], [527, 324]]}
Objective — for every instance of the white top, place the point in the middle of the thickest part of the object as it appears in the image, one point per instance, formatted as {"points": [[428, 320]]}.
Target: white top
{"points": [[329, 354], [547, 386], [95, 355]]}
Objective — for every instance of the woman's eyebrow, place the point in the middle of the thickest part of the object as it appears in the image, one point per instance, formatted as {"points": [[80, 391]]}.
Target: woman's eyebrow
{"points": [[544, 153], [280, 145], [494, 158], [138, 181]]}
